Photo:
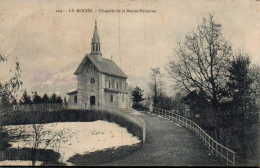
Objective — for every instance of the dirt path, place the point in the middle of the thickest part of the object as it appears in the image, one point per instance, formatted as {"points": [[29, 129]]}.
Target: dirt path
{"points": [[168, 144]]}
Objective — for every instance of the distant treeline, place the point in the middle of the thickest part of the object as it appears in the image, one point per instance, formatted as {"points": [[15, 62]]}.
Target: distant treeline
{"points": [[37, 99]]}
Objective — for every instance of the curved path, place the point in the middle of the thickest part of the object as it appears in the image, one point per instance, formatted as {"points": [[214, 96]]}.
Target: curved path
{"points": [[168, 144]]}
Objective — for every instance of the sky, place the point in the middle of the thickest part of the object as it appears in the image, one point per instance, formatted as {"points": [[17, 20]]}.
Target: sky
{"points": [[50, 44]]}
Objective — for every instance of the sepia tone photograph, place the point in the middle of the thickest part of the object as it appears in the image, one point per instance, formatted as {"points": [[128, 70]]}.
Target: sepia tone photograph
{"points": [[129, 83]]}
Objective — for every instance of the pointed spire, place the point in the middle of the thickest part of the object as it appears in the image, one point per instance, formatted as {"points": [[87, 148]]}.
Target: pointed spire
{"points": [[95, 45], [95, 38]]}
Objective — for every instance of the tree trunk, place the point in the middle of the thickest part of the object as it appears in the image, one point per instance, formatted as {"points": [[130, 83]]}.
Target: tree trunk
{"points": [[33, 157]]}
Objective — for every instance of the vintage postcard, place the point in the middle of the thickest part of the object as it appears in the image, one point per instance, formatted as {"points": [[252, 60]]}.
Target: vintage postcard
{"points": [[129, 83]]}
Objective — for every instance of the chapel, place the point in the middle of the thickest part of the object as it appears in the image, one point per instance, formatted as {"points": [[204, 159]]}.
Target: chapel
{"points": [[100, 82]]}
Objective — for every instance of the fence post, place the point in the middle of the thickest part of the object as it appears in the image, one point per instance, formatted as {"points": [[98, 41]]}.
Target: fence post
{"points": [[209, 143], [205, 138], [212, 146], [217, 150], [162, 113], [227, 157], [234, 159], [221, 153]]}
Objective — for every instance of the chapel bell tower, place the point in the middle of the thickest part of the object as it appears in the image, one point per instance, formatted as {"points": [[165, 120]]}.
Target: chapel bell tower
{"points": [[95, 44]]}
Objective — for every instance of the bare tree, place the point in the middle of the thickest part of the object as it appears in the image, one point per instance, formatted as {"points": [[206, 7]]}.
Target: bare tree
{"points": [[8, 93], [155, 84], [9, 89], [201, 62], [37, 136]]}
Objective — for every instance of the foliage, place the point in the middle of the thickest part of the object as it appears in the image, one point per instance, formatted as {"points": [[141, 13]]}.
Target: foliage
{"points": [[137, 95], [9, 89], [45, 98], [25, 99], [244, 111], [59, 100], [65, 101], [221, 89], [53, 98], [201, 65], [165, 102], [139, 107], [37, 99], [198, 106], [8, 92], [4, 137]]}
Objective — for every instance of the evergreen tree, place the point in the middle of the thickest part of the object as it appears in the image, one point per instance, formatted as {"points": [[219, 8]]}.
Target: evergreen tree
{"points": [[36, 98], [137, 95], [65, 101], [59, 100], [26, 99], [14, 101], [244, 112], [45, 98], [53, 98]]}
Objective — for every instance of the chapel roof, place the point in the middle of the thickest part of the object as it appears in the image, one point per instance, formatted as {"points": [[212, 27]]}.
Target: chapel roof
{"points": [[105, 66]]}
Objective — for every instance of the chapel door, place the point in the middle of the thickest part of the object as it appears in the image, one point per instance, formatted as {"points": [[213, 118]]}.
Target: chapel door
{"points": [[92, 100]]}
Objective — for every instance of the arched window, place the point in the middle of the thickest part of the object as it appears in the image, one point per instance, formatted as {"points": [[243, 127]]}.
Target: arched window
{"points": [[116, 85], [113, 84], [75, 99], [109, 84], [123, 98], [122, 85], [111, 98]]}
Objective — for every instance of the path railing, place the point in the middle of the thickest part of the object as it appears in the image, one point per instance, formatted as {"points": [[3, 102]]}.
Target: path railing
{"points": [[47, 106], [221, 151]]}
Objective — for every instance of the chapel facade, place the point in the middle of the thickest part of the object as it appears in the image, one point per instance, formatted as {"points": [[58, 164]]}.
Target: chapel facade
{"points": [[100, 82]]}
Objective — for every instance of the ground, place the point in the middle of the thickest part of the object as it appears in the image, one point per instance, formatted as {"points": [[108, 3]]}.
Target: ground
{"points": [[168, 144], [82, 137]]}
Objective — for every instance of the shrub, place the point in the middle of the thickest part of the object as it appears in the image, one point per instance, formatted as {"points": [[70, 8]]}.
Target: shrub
{"points": [[139, 107]]}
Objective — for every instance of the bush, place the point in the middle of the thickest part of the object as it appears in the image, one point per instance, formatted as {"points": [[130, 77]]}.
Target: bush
{"points": [[25, 154], [139, 107], [4, 137], [99, 157]]}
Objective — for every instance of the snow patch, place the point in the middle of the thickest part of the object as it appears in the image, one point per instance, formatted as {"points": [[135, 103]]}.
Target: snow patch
{"points": [[137, 113], [178, 125], [19, 163], [83, 137]]}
